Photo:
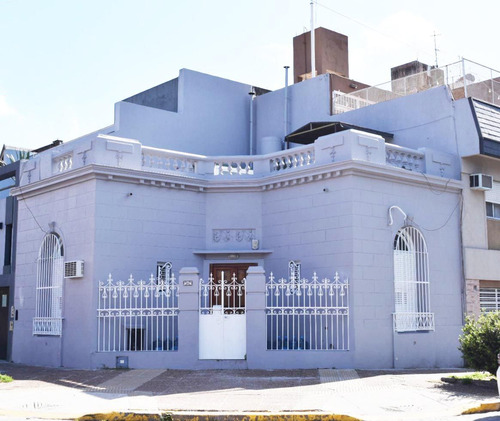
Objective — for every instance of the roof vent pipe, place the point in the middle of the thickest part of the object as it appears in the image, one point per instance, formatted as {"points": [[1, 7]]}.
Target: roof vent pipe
{"points": [[252, 96], [285, 145]]}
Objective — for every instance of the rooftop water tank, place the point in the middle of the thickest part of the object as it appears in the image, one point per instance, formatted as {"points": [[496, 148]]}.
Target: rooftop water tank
{"points": [[268, 144]]}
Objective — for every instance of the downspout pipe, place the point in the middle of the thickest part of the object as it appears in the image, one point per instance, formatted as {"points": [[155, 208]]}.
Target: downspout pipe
{"points": [[252, 96]]}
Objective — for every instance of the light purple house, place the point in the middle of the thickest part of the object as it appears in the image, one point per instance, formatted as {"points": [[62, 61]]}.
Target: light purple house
{"points": [[184, 236]]}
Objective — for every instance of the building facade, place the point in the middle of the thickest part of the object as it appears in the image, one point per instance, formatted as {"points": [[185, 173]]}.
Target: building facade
{"points": [[185, 236]]}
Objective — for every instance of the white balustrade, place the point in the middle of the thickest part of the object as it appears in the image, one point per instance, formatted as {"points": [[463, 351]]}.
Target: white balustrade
{"points": [[294, 158], [232, 166], [405, 158], [62, 163], [166, 160]]}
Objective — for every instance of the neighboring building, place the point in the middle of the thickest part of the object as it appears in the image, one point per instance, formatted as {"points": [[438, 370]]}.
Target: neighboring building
{"points": [[9, 178], [481, 214], [133, 241]]}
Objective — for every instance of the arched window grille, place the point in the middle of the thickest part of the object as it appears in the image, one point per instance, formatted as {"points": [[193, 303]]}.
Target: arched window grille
{"points": [[411, 282], [49, 283]]}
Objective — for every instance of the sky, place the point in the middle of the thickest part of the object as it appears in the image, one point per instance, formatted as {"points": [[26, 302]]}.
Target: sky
{"points": [[65, 63]]}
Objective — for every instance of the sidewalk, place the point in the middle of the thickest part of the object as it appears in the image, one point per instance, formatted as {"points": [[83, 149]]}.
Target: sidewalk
{"points": [[43, 393]]}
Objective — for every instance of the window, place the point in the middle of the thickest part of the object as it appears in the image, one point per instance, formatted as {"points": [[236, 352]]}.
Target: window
{"points": [[493, 210], [489, 299], [492, 198], [411, 282], [49, 282]]}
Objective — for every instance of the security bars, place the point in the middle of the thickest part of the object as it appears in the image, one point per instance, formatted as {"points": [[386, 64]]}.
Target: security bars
{"points": [[138, 316]]}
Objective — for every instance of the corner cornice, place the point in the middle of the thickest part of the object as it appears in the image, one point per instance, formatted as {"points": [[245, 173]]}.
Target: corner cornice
{"points": [[212, 184]]}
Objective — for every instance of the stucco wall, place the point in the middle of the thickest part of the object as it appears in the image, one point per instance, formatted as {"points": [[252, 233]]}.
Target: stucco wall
{"points": [[336, 224], [307, 101], [345, 229], [212, 118], [73, 211]]}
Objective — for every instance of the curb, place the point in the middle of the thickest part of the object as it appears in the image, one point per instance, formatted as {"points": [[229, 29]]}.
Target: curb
{"points": [[198, 416], [483, 408]]}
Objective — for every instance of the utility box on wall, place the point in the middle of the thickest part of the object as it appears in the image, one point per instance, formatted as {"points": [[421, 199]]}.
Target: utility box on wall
{"points": [[73, 269], [481, 182], [121, 362]]}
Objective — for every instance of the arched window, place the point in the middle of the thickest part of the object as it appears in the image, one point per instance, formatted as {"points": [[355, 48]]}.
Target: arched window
{"points": [[411, 282], [49, 282]]}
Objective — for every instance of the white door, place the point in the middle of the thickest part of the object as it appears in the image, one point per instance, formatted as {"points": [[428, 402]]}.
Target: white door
{"points": [[223, 314]]}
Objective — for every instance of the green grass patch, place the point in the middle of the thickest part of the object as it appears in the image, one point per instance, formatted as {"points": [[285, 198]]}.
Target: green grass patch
{"points": [[5, 379], [478, 375]]}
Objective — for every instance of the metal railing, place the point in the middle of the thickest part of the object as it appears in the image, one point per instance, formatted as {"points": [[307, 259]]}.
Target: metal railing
{"points": [[307, 314], [138, 316], [49, 287], [464, 78], [413, 321], [411, 282], [489, 299]]}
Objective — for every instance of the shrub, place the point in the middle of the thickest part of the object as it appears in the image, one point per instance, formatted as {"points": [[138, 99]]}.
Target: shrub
{"points": [[480, 342], [4, 378]]}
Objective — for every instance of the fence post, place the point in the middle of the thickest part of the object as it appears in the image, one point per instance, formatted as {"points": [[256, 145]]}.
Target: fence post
{"points": [[255, 286], [189, 315]]}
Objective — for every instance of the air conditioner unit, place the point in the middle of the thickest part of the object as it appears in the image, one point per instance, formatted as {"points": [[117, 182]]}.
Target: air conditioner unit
{"points": [[481, 182], [73, 269]]}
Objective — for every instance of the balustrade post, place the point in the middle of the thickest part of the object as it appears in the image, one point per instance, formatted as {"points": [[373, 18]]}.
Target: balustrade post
{"points": [[189, 278], [255, 286]]}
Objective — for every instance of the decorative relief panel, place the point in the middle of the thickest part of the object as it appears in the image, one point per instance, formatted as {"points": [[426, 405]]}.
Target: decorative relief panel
{"points": [[233, 235]]}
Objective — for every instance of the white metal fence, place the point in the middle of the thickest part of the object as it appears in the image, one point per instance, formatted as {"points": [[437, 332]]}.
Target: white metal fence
{"points": [[138, 316], [307, 314]]}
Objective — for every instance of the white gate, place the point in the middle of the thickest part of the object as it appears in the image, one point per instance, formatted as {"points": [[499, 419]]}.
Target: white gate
{"points": [[222, 319]]}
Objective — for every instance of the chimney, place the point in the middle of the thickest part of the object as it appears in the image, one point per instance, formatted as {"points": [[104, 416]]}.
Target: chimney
{"points": [[331, 54]]}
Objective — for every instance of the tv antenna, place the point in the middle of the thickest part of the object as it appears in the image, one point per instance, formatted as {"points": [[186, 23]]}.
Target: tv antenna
{"points": [[435, 47]]}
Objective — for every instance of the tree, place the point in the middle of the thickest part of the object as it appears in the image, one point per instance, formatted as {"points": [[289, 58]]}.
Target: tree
{"points": [[480, 342]]}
